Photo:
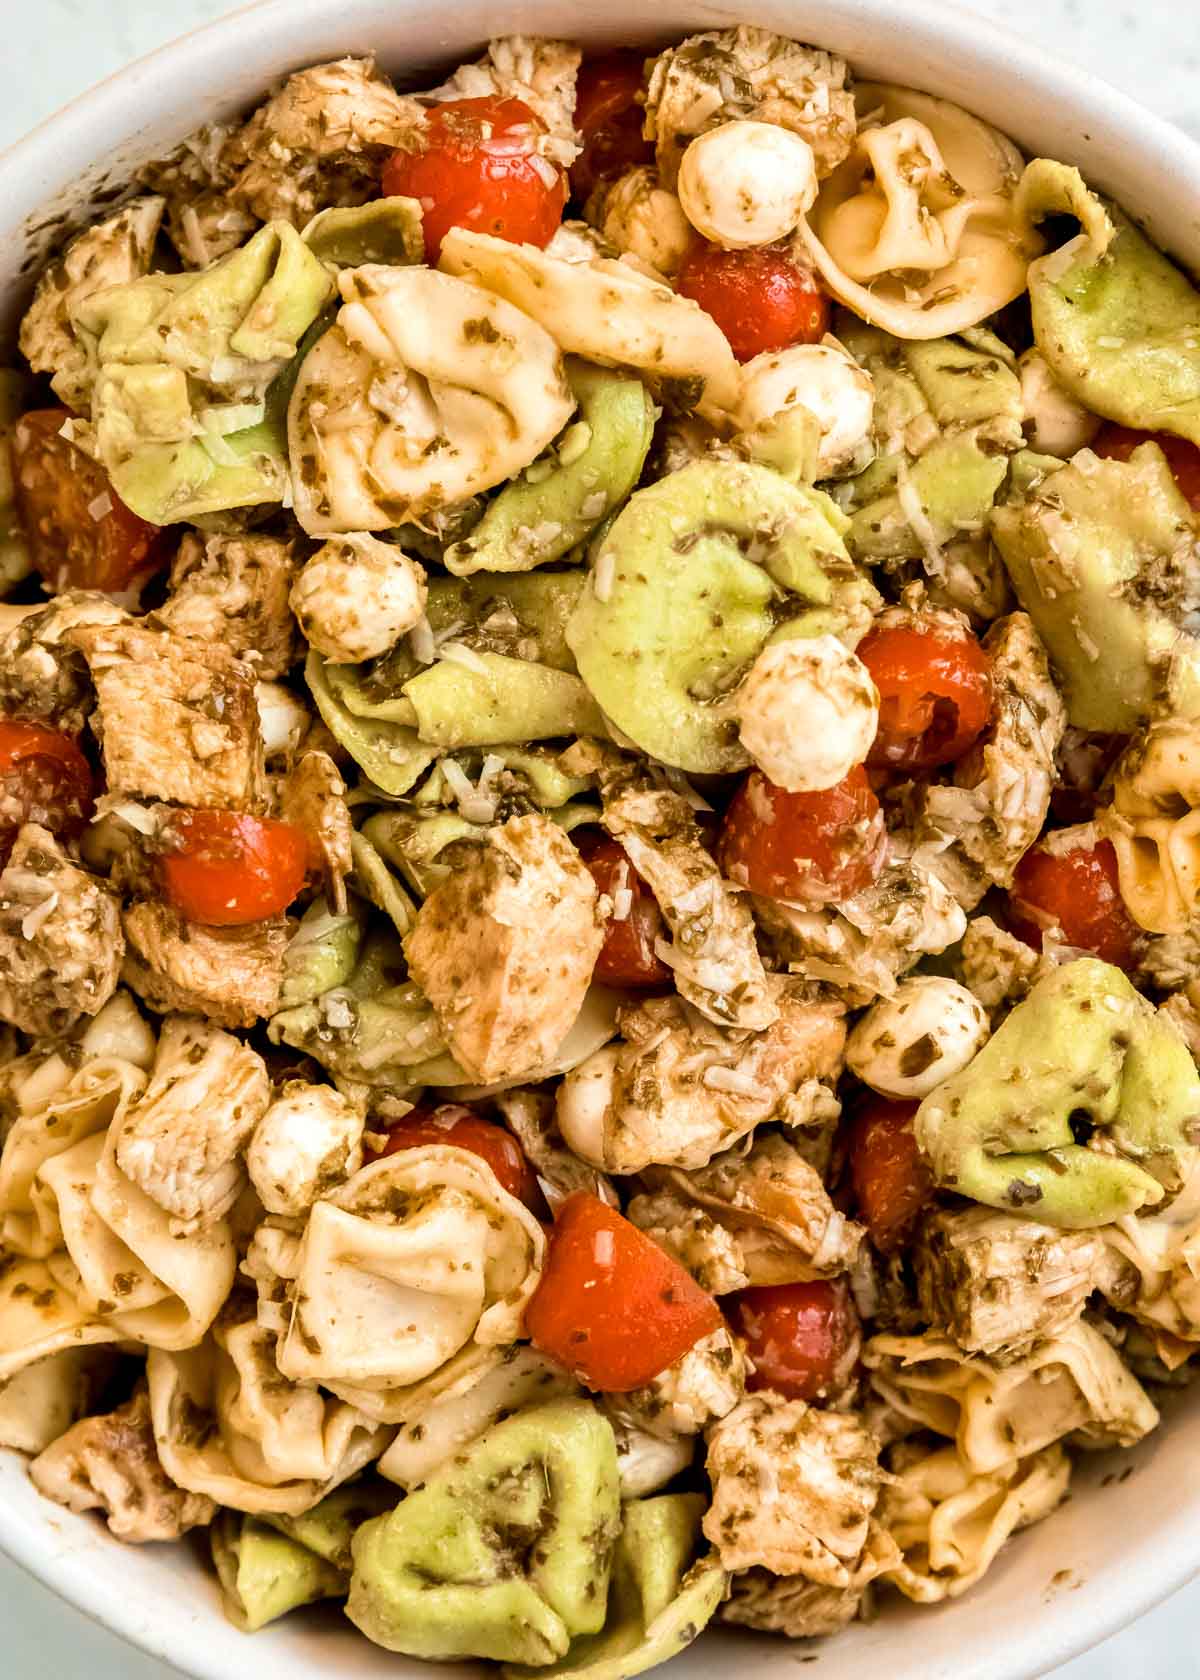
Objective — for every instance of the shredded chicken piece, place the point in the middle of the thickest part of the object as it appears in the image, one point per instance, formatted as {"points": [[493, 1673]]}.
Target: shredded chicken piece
{"points": [[313, 799], [234, 591], [768, 1205], [60, 938], [182, 1140], [997, 1283], [111, 1464], [110, 253], [231, 976], [803, 1609], [504, 948], [42, 675], [676, 1090], [319, 142], [202, 221], [713, 952], [997, 966], [977, 831], [864, 944], [793, 1489], [538, 72], [702, 1386], [177, 718]]}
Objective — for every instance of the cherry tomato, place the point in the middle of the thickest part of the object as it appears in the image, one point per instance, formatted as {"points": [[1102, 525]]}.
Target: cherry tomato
{"points": [[1117, 443], [891, 1182], [1079, 890], [451, 1123], [761, 299], [227, 868], [627, 957], [80, 533], [475, 164], [935, 694], [802, 1338], [609, 115], [813, 847], [45, 779], [611, 1305]]}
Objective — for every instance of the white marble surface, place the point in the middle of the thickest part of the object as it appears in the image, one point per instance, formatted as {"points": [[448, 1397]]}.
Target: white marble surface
{"points": [[55, 48]]}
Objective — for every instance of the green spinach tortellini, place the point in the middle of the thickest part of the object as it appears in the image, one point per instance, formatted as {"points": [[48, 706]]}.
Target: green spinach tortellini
{"points": [[1101, 555], [264, 1574], [692, 579], [1079, 1109], [659, 1600], [506, 1550], [184, 364]]}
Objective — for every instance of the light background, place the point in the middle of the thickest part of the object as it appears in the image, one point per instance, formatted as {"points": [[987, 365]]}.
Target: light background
{"points": [[51, 50]]}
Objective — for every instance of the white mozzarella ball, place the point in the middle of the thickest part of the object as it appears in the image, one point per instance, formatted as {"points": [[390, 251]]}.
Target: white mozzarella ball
{"points": [[1054, 422], [308, 1141], [830, 385], [747, 183], [807, 712], [643, 220], [357, 596], [906, 1045]]}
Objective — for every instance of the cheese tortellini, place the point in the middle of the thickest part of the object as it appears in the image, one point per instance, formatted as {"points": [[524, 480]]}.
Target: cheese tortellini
{"points": [[413, 1259], [917, 231], [424, 392], [1154, 825]]}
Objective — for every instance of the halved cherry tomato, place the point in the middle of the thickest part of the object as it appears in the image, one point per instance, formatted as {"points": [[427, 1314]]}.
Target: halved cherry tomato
{"points": [[611, 1305], [475, 164], [45, 779], [813, 847], [935, 694], [761, 299], [891, 1182], [1117, 443], [1079, 889], [802, 1338], [627, 957], [462, 1128], [609, 115], [80, 533], [228, 868]]}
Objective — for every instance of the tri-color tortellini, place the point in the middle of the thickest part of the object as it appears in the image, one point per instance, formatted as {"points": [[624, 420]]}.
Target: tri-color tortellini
{"points": [[599, 861]]}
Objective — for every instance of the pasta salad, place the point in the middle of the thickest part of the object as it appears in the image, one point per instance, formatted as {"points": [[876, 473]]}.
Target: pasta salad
{"points": [[599, 850]]}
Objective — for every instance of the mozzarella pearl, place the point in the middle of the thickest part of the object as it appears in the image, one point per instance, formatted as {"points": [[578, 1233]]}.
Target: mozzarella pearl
{"points": [[583, 1104], [830, 385], [357, 596], [1055, 423], [808, 712], [308, 1141], [906, 1045], [747, 183]]}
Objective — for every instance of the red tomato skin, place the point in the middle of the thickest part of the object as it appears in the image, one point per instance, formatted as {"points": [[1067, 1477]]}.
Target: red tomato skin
{"points": [[1080, 890], [44, 779], [935, 694], [609, 115], [627, 957], [462, 1128], [802, 1338], [475, 165], [761, 299], [890, 1180], [56, 485], [811, 848], [229, 869], [1117, 443], [611, 1306]]}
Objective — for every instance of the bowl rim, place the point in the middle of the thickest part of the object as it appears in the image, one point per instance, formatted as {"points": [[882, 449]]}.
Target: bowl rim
{"points": [[66, 145]]}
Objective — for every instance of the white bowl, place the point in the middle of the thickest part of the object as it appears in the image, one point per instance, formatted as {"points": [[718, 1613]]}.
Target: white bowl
{"points": [[1130, 1533]]}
